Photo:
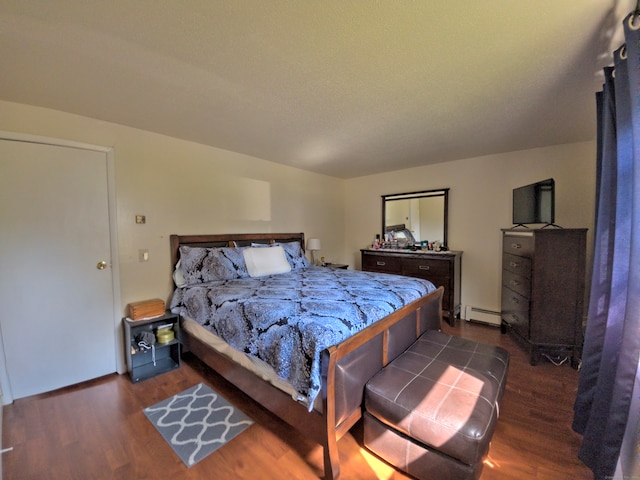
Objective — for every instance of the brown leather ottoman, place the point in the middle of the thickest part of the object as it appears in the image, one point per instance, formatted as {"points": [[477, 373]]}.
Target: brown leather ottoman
{"points": [[433, 410]]}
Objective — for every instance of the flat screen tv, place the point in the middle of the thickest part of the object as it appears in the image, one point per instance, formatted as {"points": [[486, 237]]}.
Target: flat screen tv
{"points": [[534, 203]]}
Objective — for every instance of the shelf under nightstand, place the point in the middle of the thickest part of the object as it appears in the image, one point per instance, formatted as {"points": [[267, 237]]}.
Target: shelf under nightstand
{"points": [[140, 362]]}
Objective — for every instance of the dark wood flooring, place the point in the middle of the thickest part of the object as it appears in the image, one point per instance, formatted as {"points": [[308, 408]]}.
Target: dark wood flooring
{"points": [[97, 430]]}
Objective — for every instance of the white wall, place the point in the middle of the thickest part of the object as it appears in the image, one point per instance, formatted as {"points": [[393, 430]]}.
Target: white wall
{"points": [[480, 205], [183, 187], [187, 188]]}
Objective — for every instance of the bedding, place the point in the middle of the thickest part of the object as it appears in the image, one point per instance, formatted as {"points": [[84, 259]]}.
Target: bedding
{"points": [[253, 364], [288, 319]]}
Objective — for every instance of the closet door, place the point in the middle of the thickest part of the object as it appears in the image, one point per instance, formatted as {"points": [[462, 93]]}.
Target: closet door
{"points": [[57, 314]]}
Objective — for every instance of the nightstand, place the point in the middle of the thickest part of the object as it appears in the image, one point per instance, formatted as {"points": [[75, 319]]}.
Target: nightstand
{"points": [[146, 362], [337, 265]]}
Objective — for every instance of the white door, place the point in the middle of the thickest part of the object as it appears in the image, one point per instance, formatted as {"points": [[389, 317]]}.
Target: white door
{"points": [[56, 303]]}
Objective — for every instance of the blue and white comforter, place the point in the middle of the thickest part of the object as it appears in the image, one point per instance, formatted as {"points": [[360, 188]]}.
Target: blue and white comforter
{"points": [[286, 320]]}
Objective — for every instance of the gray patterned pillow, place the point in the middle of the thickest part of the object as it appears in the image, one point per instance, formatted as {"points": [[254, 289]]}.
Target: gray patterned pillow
{"points": [[201, 265], [295, 255]]}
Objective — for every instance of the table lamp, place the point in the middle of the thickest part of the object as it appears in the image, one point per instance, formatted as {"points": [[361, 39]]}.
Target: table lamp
{"points": [[313, 245]]}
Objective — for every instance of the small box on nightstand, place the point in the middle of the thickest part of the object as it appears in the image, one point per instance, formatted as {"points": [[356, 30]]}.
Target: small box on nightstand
{"points": [[146, 309]]}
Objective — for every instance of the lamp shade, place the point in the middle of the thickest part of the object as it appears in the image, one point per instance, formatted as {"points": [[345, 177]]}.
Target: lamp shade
{"points": [[313, 244]]}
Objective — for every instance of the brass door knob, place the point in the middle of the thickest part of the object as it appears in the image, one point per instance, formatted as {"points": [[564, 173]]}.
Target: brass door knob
{"points": [[101, 265]]}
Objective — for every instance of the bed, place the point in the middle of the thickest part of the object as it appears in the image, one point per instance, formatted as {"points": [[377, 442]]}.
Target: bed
{"points": [[322, 398]]}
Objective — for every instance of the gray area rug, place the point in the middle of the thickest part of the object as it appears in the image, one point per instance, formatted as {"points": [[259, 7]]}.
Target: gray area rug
{"points": [[196, 422]]}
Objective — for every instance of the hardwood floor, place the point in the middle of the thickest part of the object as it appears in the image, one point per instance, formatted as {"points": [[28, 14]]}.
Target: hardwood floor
{"points": [[97, 430]]}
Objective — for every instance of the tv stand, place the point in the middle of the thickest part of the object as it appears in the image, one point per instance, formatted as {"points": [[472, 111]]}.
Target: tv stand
{"points": [[551, 225]]}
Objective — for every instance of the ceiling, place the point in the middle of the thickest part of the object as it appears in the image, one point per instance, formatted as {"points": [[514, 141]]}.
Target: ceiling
{"points": [[342, 88]]}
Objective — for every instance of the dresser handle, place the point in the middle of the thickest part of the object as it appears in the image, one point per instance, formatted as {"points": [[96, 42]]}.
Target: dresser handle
{"points": [[515, 282], [423, 267], [381, 264], [516, 245], [515, 300], [514, 264]]}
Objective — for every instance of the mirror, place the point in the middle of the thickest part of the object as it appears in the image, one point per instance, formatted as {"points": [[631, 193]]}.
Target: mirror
{"points": [[417, 216]]}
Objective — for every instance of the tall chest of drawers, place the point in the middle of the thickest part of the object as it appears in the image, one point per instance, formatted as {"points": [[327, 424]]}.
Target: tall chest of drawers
{"points": [[440, 268], [543, 281]]}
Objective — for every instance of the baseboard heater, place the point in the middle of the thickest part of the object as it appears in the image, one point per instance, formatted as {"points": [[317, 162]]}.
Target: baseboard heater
{"points": [[482, 315]]}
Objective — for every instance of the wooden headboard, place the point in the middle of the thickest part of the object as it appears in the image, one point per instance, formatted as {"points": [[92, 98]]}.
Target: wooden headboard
{"points": [[229, 240]]}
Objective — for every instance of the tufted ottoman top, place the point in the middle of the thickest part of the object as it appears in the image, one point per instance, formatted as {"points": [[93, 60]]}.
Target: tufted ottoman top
{"points": [[443, 392]]}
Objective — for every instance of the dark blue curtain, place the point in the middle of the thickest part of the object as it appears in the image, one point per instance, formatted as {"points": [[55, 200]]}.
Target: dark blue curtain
{"points": [[612, 337]]}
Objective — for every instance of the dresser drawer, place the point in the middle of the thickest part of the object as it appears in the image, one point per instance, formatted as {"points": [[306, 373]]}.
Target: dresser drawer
{"points": [[438, 281], [517, 283], [518, 265], [381, 263], [521, 245], [515, 310], [441, 269], [426, 267]]}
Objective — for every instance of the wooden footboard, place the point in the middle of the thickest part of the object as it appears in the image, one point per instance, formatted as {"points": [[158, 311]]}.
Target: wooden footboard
{"points": [[345, 367], [349, 365]]}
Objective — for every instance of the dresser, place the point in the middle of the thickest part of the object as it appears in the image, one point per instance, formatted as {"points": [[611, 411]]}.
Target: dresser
{"points": [[440, 268], [543, 287]]}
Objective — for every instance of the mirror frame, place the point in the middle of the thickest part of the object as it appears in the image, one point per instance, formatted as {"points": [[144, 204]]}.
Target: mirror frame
{"points": [[438, 192]]}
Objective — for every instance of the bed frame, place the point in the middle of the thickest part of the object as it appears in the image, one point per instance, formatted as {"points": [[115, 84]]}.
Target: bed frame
{"points": [[345, 367]]}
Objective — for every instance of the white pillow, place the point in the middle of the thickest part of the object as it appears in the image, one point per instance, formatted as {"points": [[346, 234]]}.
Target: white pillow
{"points": [[265, 261], [178, 275]]}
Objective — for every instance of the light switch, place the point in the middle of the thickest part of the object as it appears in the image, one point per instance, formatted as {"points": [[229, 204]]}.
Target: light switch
{"points": [[143, 255]]}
